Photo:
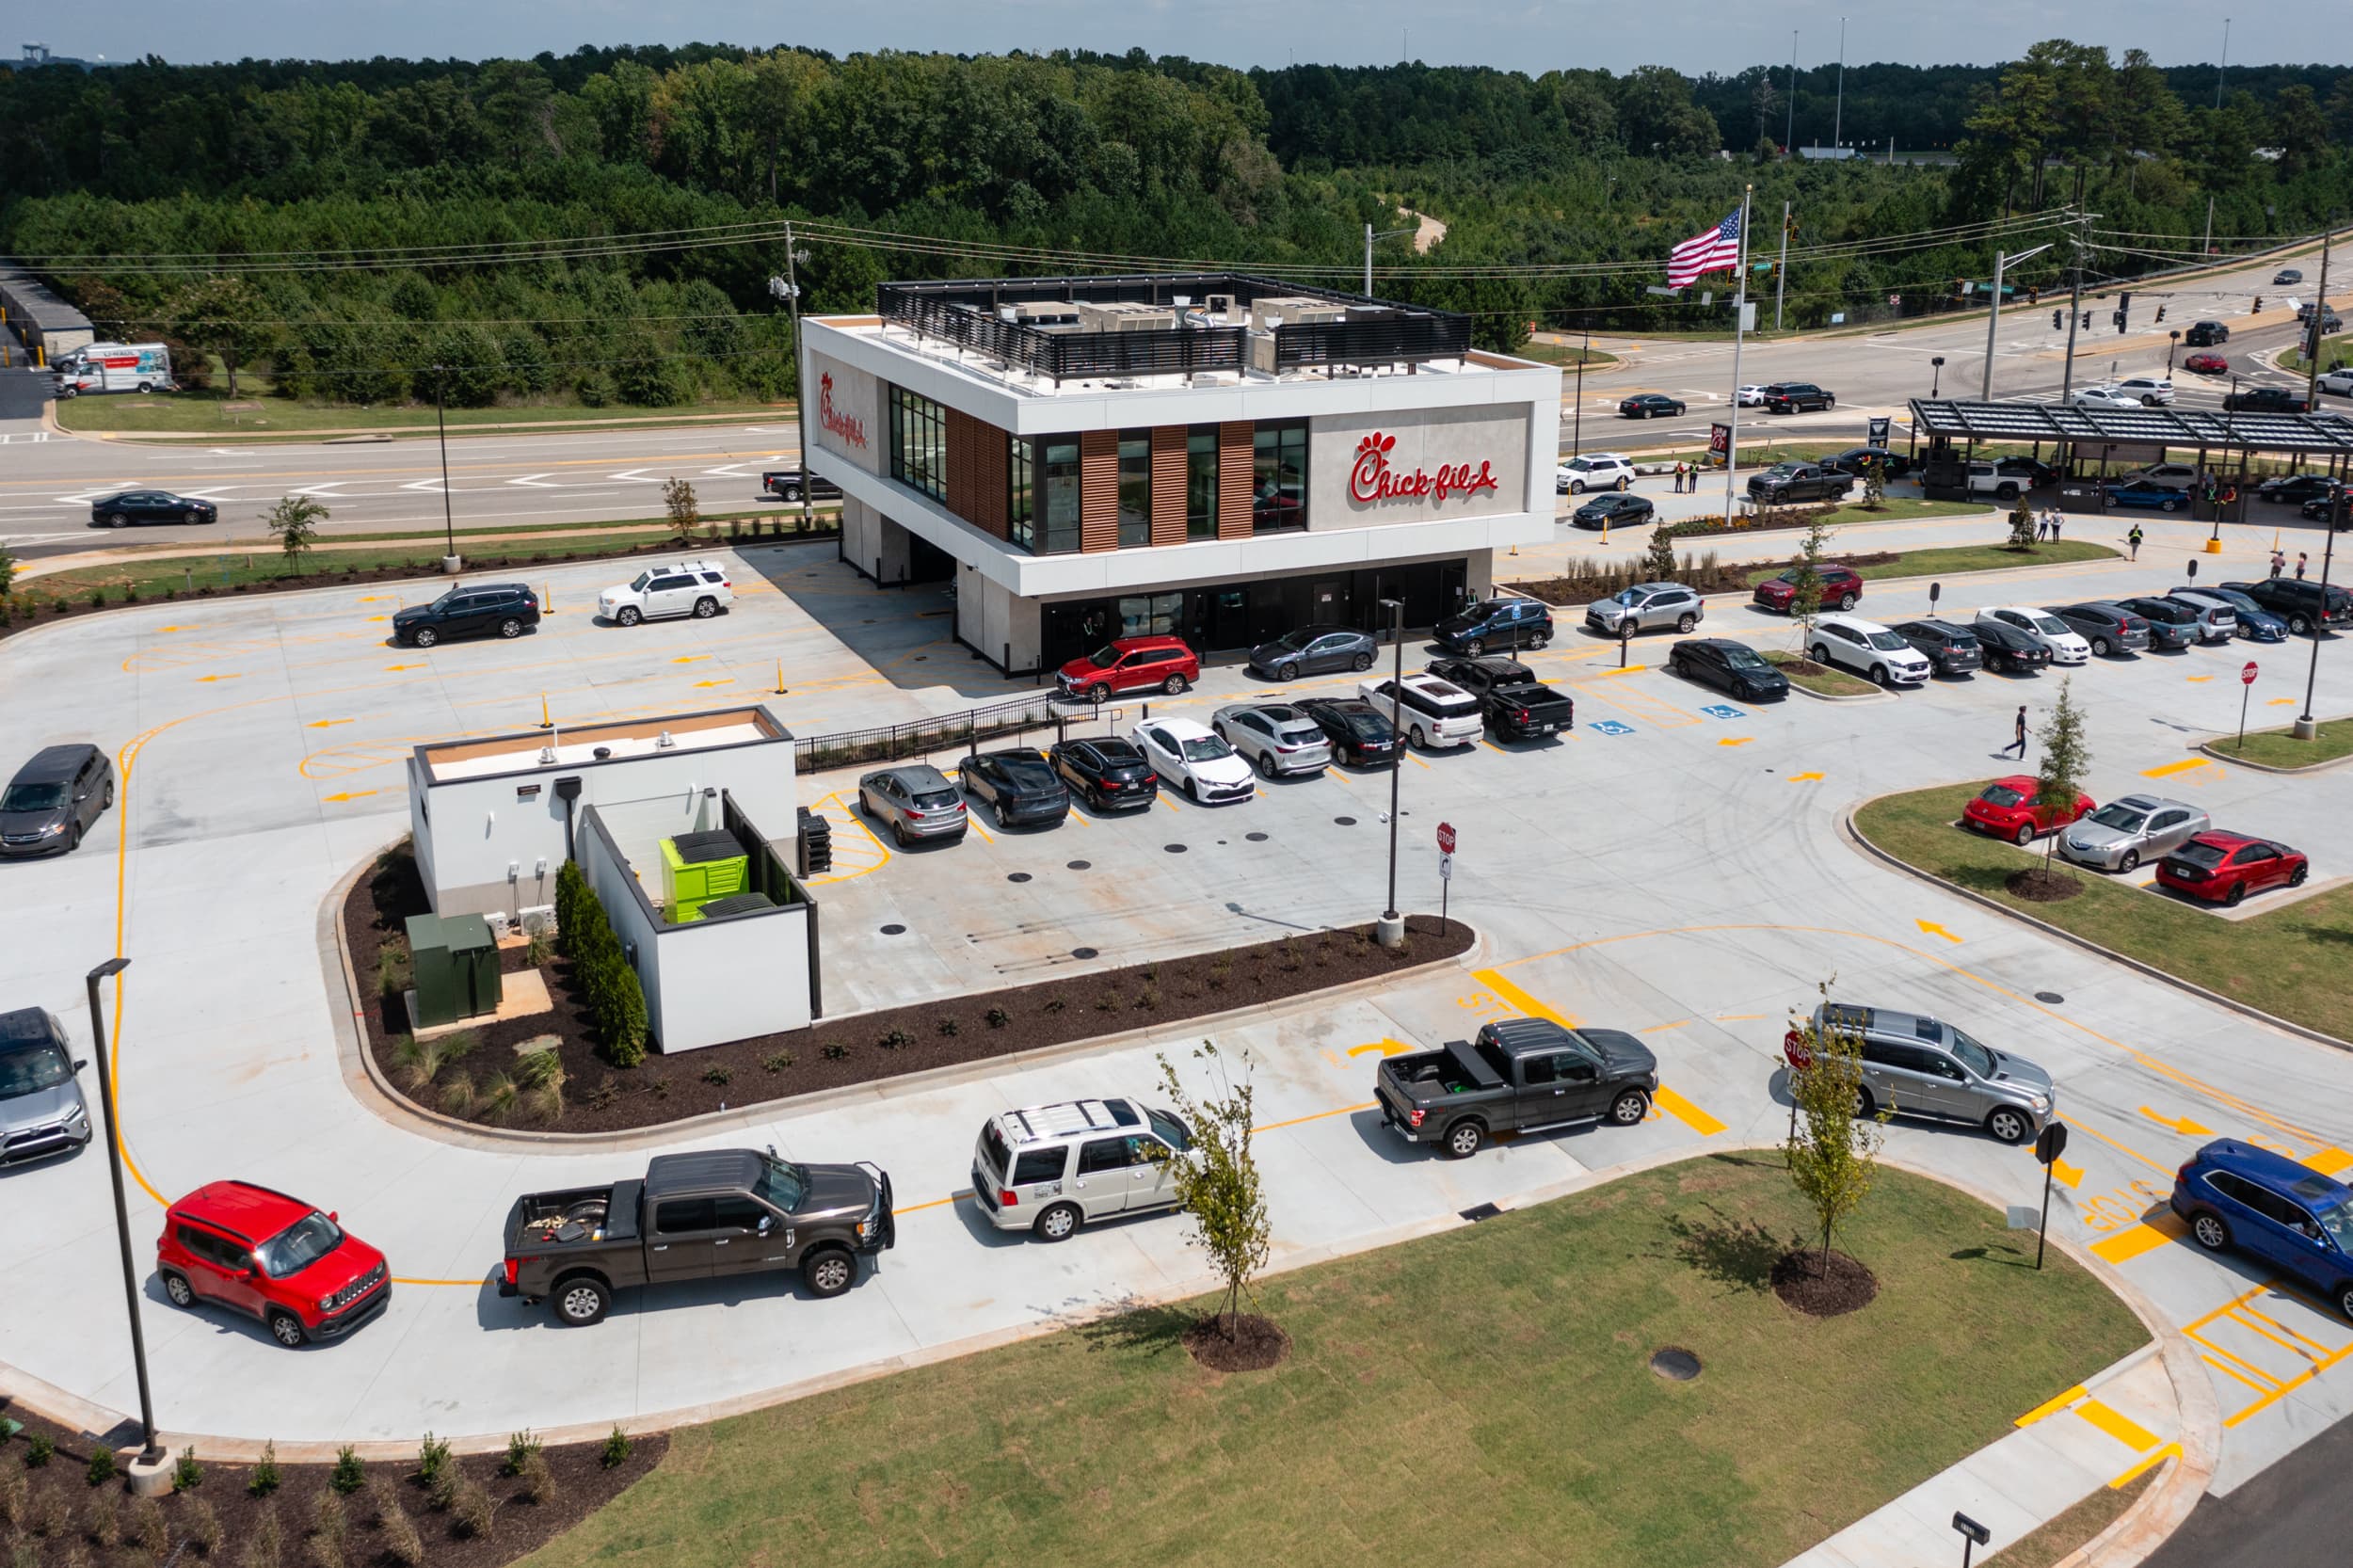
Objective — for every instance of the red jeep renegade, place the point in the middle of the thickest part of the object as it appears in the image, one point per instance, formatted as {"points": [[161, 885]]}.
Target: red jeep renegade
{"points": [[272, 1256]]}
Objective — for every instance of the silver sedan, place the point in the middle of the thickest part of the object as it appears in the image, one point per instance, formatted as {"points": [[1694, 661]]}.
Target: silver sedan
{"points": [[2130, 829], [1275, 736]]}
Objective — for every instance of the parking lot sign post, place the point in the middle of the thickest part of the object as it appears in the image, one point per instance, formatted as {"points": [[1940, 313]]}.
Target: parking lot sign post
{"points": [[2245, 690], [1973, 1535], [1626, 633], [1445, 870], [2048, 1145]]}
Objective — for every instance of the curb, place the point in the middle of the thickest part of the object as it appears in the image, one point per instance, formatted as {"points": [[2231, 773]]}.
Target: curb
{"points": [[364, 1076], [1847, 820], [1842, 696], [2212, 747]]}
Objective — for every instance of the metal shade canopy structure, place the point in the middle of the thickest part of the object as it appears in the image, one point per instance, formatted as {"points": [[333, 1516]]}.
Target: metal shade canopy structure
{"points": [[2314, 435]]}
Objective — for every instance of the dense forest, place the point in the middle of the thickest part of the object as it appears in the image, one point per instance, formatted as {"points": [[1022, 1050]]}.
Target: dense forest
{"points": [[563, 225]]}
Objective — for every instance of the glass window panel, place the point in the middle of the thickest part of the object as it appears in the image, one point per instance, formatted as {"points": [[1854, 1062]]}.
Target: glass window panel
{"points": [[1062, 496], [1201, 484], [1135, 490]]}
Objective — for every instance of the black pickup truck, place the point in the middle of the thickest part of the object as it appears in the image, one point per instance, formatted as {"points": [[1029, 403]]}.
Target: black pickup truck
{"points": [[787, 485], [1520, 1074], [696, 1216], [1801, 482], [1516, 705]]}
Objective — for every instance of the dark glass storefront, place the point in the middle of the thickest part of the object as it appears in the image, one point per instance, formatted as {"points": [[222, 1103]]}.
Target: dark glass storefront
{"points": [[1224, 617]]}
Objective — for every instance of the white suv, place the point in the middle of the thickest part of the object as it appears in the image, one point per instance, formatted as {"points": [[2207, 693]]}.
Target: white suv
{"points": [[1595, 471], [2066, 644], [1868, 649], [2155, 391], [2338, 382], [697, 588], [1429, 711], [1052, 1168]]}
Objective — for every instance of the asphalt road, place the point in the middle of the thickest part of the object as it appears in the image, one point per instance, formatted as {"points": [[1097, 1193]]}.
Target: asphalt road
{"points": [[2289, 1516]]}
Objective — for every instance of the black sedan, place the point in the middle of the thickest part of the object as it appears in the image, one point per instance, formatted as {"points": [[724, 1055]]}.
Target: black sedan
{"points": [[120, 511], [1106, 771], [1859, 460], [1647, 405], [2006, 647], [1730, 667], [1315, 651], [1020, 784], [1613, 511], [1359, 732], [2322, 505], [2296, 489], [1951, 649]]}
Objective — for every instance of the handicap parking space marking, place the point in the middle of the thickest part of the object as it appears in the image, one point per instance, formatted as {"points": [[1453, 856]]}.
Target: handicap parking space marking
{"points": [[1724, 710], [1611, 727]]}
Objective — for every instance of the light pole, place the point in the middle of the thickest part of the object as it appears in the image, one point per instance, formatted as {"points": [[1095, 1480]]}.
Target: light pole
{"points": [[1391, 930], [1993, 317], [1789, 130], [1577, 424], [153, 1452], [1383, 234], [1936, 375], [449, 528], [2306, 727], [788, 288]]}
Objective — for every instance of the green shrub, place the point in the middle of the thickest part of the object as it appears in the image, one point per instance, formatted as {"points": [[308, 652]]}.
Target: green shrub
{"points": [[521, 1445], [778, 1062], [433, 1458], [616, 1448], [718, 1074], [539, 1479], [997, 1017], [946, 1026], [349, 1475], [38, 1449], [265, 1477], [833, 1050], [496, 1098], [101, 1466], [536, 1067], [187, 1474]]}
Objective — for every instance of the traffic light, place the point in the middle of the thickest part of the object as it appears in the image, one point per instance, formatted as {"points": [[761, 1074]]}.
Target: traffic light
{"points": [[2160, 313], [2259, 302], [2057, 318], [2124, 309], [2087, 321], [2118, 319], [2034, 293]]}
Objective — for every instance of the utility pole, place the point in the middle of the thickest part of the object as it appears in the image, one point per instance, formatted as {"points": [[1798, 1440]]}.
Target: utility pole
{"points": [[2306, 727], [1576, 428], [1739, 330], [449, 526], [2225, 64], [2075, 292], [1391, 926], [788, 288], [1789, 131], [1993, 317], [1839, 115], [1780, 273], [1383, 234], [2205, 247]]}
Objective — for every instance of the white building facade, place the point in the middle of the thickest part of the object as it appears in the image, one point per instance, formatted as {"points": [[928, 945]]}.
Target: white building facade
{"points": [[1212, 456]]}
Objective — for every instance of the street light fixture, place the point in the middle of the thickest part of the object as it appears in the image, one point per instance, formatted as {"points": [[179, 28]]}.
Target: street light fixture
{"points": [[2306, 727], [449, 528], [2176, 336], [1936, 375], [1391, 930], [153, 1452], [788, 288]]}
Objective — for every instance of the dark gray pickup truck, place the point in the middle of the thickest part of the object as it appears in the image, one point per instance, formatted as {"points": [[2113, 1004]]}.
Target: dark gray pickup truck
{"points": [[1516, 705], [1800, 482], [696, 1216], [1520, 1074]]}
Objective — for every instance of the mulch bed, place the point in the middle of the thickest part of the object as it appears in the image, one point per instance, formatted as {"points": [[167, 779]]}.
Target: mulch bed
{"points": [[61, 1508], [598, 1098], [2042, 886], [1803, 1282], [1238, 1342]]}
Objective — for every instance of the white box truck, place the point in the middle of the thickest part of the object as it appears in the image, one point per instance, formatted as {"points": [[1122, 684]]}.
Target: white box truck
{"points": [[113, 367]]}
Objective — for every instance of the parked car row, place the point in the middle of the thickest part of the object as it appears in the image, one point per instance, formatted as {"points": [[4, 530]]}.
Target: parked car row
{"points": [[2194, 858]]}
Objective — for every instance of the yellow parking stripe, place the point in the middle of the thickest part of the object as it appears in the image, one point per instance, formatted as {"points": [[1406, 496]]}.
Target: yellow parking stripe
{"points": [[2172, 1451], [1519, 1001], [2118, 1425], [2050, 1406], [1685, 1112], [2328, 1161], [2125, 1245]]}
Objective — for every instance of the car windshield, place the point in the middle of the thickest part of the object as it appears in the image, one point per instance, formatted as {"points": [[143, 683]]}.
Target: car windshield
{"points": [[1743, 658], [2000, 794], [1887, 640], [447, 599], [935, 800], [1292, 641], [299, 1245], [27, 1069], [2201, 853], [2338, 1223], [1169, 1129], [1578, 465], [1103, 658], [1208, 748], [638, 584], [1027, 772], [2121, 817], [2050, 626], [1782, 470], [782, 1186], [1973, 1056], [33, 797], [1790, 576], [1117, 754]]}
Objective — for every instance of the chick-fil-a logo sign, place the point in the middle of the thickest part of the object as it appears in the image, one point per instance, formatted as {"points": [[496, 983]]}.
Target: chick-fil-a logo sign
{"points": [[851, 430], [1373, 479]]}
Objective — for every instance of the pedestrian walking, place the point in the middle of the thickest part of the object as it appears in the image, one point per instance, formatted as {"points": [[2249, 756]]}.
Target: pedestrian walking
{"points": [[2299, 566], [2100, 494], [2278, 563], [2055, 524], [2132, 538], [2019, 744]]}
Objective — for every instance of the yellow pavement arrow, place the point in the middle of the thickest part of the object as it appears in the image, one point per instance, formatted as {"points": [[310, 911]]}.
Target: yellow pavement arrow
{"points": [[408, 667], [691, 659], [208, 679], [323, 724], [2181, 1125], [1932, 929], [728, 681], [348, 794], [1736, 740], [1385, 1046], [2066, 1175], [191, 629], [2194, 679], [377, 599], [1804, 777]]}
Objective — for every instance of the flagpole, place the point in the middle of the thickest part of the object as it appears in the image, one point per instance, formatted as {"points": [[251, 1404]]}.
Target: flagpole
{"points": [[1739, 324]]}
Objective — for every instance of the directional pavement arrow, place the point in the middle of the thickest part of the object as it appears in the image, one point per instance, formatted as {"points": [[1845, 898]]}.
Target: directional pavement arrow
{"points": [[1804, 777], [408, 667], [327, 724], [208, 679], [1736, 740], [536, 481], [1931, 928], [690, 658], [2066, 1175], [349, 794], [2181, 1125]]}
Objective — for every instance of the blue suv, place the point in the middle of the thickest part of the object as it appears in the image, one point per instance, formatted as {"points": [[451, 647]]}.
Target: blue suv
{"points": [[2293, 1218]]}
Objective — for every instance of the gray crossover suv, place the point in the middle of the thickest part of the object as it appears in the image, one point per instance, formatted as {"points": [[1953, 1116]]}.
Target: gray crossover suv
{"points": [[916, 800], [1653, 606], [1275, 736], [42, 1108], [1914, 1065]]}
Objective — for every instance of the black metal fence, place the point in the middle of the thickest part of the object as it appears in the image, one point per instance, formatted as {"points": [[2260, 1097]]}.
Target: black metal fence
{"points": [[1062, 354], [953, 732]]}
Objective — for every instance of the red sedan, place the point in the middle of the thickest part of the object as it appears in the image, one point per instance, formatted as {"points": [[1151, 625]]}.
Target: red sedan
{"points": [[2207, 365], [2010, 808], [2224, 868]]}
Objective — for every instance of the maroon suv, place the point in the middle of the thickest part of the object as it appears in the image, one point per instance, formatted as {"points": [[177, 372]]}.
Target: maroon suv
{"points": [[1841, 587], [272, 1257], [1132, 665]]}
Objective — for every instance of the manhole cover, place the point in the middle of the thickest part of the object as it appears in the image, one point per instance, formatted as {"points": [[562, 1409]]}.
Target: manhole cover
{"points": [[1256, 838], [1174, 849], [1080, 865], [2052, 997], [1676, 1366], [1345, 822], [894, 930], [1016, 876], [1082, 953]]}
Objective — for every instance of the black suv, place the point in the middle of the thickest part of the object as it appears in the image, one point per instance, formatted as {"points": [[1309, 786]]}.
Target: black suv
{"points": [[2302, 605], [1789, 397], [1859, 460], [2207, 334], [1106, 771], [506, 609], [1359, 732], [2264, 400], [2296, 489], [1951, 649], [54, 799], [1496, 623]]}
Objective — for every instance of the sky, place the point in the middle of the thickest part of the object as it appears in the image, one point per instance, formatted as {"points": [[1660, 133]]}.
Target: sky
{"points": [[1696, 37]]}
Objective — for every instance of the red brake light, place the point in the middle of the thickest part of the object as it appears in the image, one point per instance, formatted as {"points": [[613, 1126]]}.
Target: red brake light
{"points": [[2183, 1174], [1008, 1197], [513, 1266], [1413, 1118]]}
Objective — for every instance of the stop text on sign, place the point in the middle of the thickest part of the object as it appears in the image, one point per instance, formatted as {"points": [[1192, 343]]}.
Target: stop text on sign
{"points": [[1373, 479]]}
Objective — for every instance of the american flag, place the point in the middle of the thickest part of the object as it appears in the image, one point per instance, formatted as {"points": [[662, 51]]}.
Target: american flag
{"points": [[1706, 252]]}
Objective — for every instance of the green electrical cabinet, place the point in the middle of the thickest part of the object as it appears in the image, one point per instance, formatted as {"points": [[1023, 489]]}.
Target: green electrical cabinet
{"points": [[455, 960], [699, 867]]}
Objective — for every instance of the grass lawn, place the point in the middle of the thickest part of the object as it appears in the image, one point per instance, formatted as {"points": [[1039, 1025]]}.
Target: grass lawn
{"points": [[1476, 1397], [1951, 560], [211, 413], [2280, 748], [2050, 1545], [1563, 354], [1820, 678], [1896, 509], [2289, 961]]}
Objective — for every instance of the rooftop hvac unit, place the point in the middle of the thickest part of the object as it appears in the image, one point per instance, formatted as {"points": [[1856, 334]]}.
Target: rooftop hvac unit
{"points": [[1125, 316], [1042, 312], [1221, 304], [1262, 352], [1265, 314]]}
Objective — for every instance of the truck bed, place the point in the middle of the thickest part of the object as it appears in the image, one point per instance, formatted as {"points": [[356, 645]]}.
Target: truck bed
{"points": [[1457, 1068], [576, 1217]]}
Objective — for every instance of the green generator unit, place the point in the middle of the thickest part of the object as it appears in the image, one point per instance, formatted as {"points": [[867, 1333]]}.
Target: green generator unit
{"points": [[699, 867], [455, 960]]}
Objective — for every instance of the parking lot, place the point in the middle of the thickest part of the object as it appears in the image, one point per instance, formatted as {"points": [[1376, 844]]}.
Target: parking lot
{"points": [[1673, 867]]}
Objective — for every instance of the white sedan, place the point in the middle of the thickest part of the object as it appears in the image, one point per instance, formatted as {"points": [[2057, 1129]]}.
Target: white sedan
{"points": [[1194, 760], [2067, 645], [1749, 397], [2105, 397]]}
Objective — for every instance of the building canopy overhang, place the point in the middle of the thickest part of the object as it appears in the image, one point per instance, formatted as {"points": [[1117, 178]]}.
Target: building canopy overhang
{"points": [[2321, 435]]}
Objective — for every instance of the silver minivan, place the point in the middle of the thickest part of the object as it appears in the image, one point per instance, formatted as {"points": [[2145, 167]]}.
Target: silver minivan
{"points": [[1052, 1168], [1915, 1066]]}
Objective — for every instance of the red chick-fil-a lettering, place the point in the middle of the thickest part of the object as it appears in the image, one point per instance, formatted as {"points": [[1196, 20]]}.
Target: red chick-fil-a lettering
{"points": [[1372, 479]]}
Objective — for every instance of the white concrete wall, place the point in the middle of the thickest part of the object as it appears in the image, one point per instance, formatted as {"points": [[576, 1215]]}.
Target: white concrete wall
{"points": [[1426, 440], [854, 397], [610, 874], [861, 529]]}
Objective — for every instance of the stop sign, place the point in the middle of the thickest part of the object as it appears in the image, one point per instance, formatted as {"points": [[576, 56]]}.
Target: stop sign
{"points": [[1446, 838], [2247, 675]]}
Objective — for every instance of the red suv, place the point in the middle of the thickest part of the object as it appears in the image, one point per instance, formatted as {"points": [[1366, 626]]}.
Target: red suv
{"points": [[1132, 665], [272, 1256], [1841, 587]]}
